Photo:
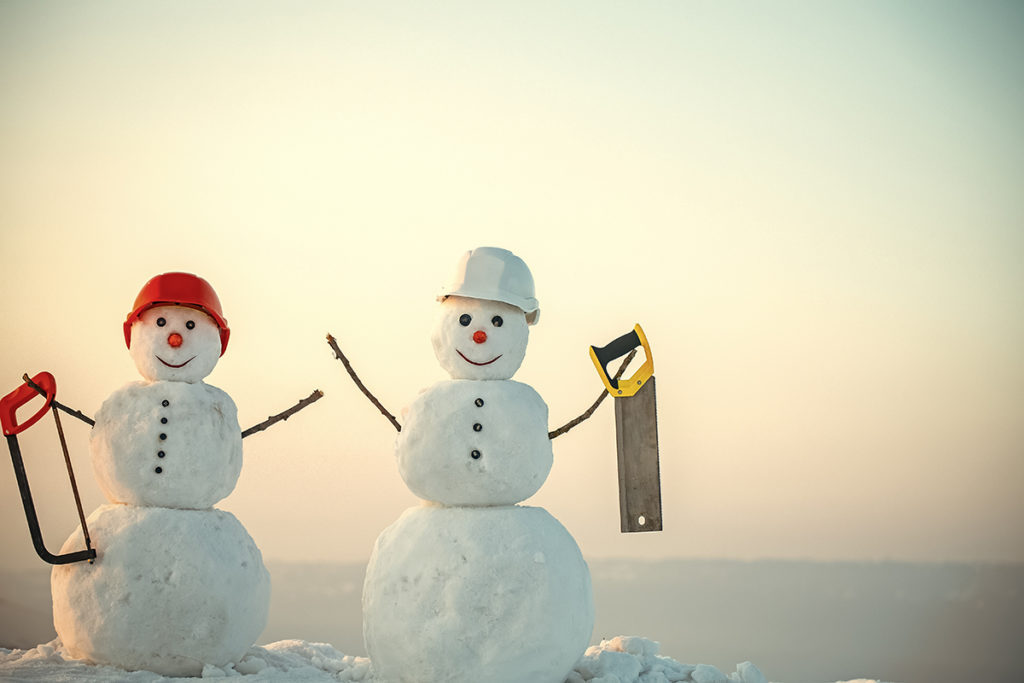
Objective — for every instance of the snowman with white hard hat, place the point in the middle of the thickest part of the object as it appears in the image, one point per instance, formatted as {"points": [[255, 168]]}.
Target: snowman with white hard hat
{"points": [[471, 586], [176, 584]]}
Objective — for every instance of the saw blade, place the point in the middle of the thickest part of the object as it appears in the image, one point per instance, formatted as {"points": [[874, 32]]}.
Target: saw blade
{"points": [[636, 437]]}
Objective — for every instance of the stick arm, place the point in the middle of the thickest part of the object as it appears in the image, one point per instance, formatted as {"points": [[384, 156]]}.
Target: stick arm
{"points": [[362, 387], [280, 417], [60, 406], [590, 411]]}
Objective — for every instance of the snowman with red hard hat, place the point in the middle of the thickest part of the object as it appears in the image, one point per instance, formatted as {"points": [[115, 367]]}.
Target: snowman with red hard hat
{"points": [[177, 584]]}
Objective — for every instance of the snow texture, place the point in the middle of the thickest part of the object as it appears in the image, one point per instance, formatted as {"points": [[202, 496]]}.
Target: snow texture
{"points": [[456, 345], [463, 595], [171, 590], [617, 660], [169, 444], [475, 443], [154, 354]]}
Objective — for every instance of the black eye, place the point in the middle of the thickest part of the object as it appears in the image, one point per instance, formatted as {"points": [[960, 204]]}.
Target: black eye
{"points": [[190, 324], [160, 322], [465, 319], [497, 321]]}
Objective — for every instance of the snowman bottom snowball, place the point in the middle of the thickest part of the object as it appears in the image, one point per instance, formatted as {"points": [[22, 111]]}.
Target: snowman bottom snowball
{"points": [[464, 595], [171, 591]]}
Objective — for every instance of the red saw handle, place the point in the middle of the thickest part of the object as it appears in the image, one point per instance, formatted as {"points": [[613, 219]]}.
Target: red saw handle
{"points": [[10, 403]]}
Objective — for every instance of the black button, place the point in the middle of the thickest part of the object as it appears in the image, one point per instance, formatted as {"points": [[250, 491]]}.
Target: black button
{"points": [[477, 427], [475, 455], [163, 420], [479, 402], [160, 454], [165, 403], [163, 436], [158, 470]]}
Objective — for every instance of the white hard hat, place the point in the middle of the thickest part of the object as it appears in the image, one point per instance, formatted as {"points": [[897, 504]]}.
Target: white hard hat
{"points": [[496, 275]]}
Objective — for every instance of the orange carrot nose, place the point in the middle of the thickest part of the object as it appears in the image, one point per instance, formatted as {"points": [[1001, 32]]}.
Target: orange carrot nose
{"points": [[479, 336], [174, 339]]}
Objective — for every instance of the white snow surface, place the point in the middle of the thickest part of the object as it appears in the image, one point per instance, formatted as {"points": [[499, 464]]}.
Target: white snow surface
{"points": [[464, 595], [505, 337], [623, 659], [468, 442], [170, 591], [196, 432]]}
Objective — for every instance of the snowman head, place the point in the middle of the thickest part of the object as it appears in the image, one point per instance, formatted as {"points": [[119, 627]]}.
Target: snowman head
{"points": [[479, 338], [175, 343]]}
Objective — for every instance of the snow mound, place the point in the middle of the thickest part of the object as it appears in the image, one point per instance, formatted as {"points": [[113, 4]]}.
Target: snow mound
{"points": [[623, 659], [629, 659], [618, 660], [286, 660]]}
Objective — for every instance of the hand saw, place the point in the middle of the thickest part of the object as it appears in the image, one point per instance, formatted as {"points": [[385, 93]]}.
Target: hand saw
{"points": [[9, 405], [636, 433]]}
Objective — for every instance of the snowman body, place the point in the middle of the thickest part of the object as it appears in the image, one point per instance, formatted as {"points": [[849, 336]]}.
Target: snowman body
{"points": [[176, 583], [171, 590], [167, 444], [468, 594], [471, 586], [473, 442]]}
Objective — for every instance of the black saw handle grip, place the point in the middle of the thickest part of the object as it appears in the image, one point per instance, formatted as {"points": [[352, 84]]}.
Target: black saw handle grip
{"points": [[617, 348]]}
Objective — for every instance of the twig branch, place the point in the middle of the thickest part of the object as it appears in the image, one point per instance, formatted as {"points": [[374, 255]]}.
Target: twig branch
{"points": [[590, 411], [273, 419], [362, 387], [60, 406]]}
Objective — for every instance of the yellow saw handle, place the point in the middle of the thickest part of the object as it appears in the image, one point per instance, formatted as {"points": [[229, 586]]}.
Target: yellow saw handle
{"points": [[616, 349]]}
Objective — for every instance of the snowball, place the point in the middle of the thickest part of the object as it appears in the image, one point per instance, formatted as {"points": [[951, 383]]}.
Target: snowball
{"points": [[470, 442], [251, 664], [633, 645], [454, 595], [604, 663], [171, 590], [653, 677], [705, 673], [611, 656], [196, 432], [152, 345], [299, 660], [748, 673], [505, 334]]}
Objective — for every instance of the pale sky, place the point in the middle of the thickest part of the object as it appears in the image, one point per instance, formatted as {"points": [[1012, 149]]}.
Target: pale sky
{"points": [[813, 209]]}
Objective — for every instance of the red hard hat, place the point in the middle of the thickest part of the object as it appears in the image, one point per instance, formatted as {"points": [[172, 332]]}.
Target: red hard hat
{"points": [[179, 289]]}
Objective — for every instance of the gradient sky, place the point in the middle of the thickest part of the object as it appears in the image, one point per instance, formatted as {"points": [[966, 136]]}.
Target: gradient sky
{"points": [[814, 210]]}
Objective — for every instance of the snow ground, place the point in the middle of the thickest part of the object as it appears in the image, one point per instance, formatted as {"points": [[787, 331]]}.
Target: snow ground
{"points": [[617, 660], [800, 622]]}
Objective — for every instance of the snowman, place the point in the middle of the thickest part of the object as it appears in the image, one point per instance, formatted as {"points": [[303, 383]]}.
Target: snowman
{"points": [[177, 584], [471, 586]]}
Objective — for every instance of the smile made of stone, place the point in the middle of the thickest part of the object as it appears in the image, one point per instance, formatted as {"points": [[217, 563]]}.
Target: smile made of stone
{"points": [[172, 365], [474, 362]]}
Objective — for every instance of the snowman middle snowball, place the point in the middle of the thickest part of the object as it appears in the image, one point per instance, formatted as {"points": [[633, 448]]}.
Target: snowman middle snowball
{"points": [[470, 442]]}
